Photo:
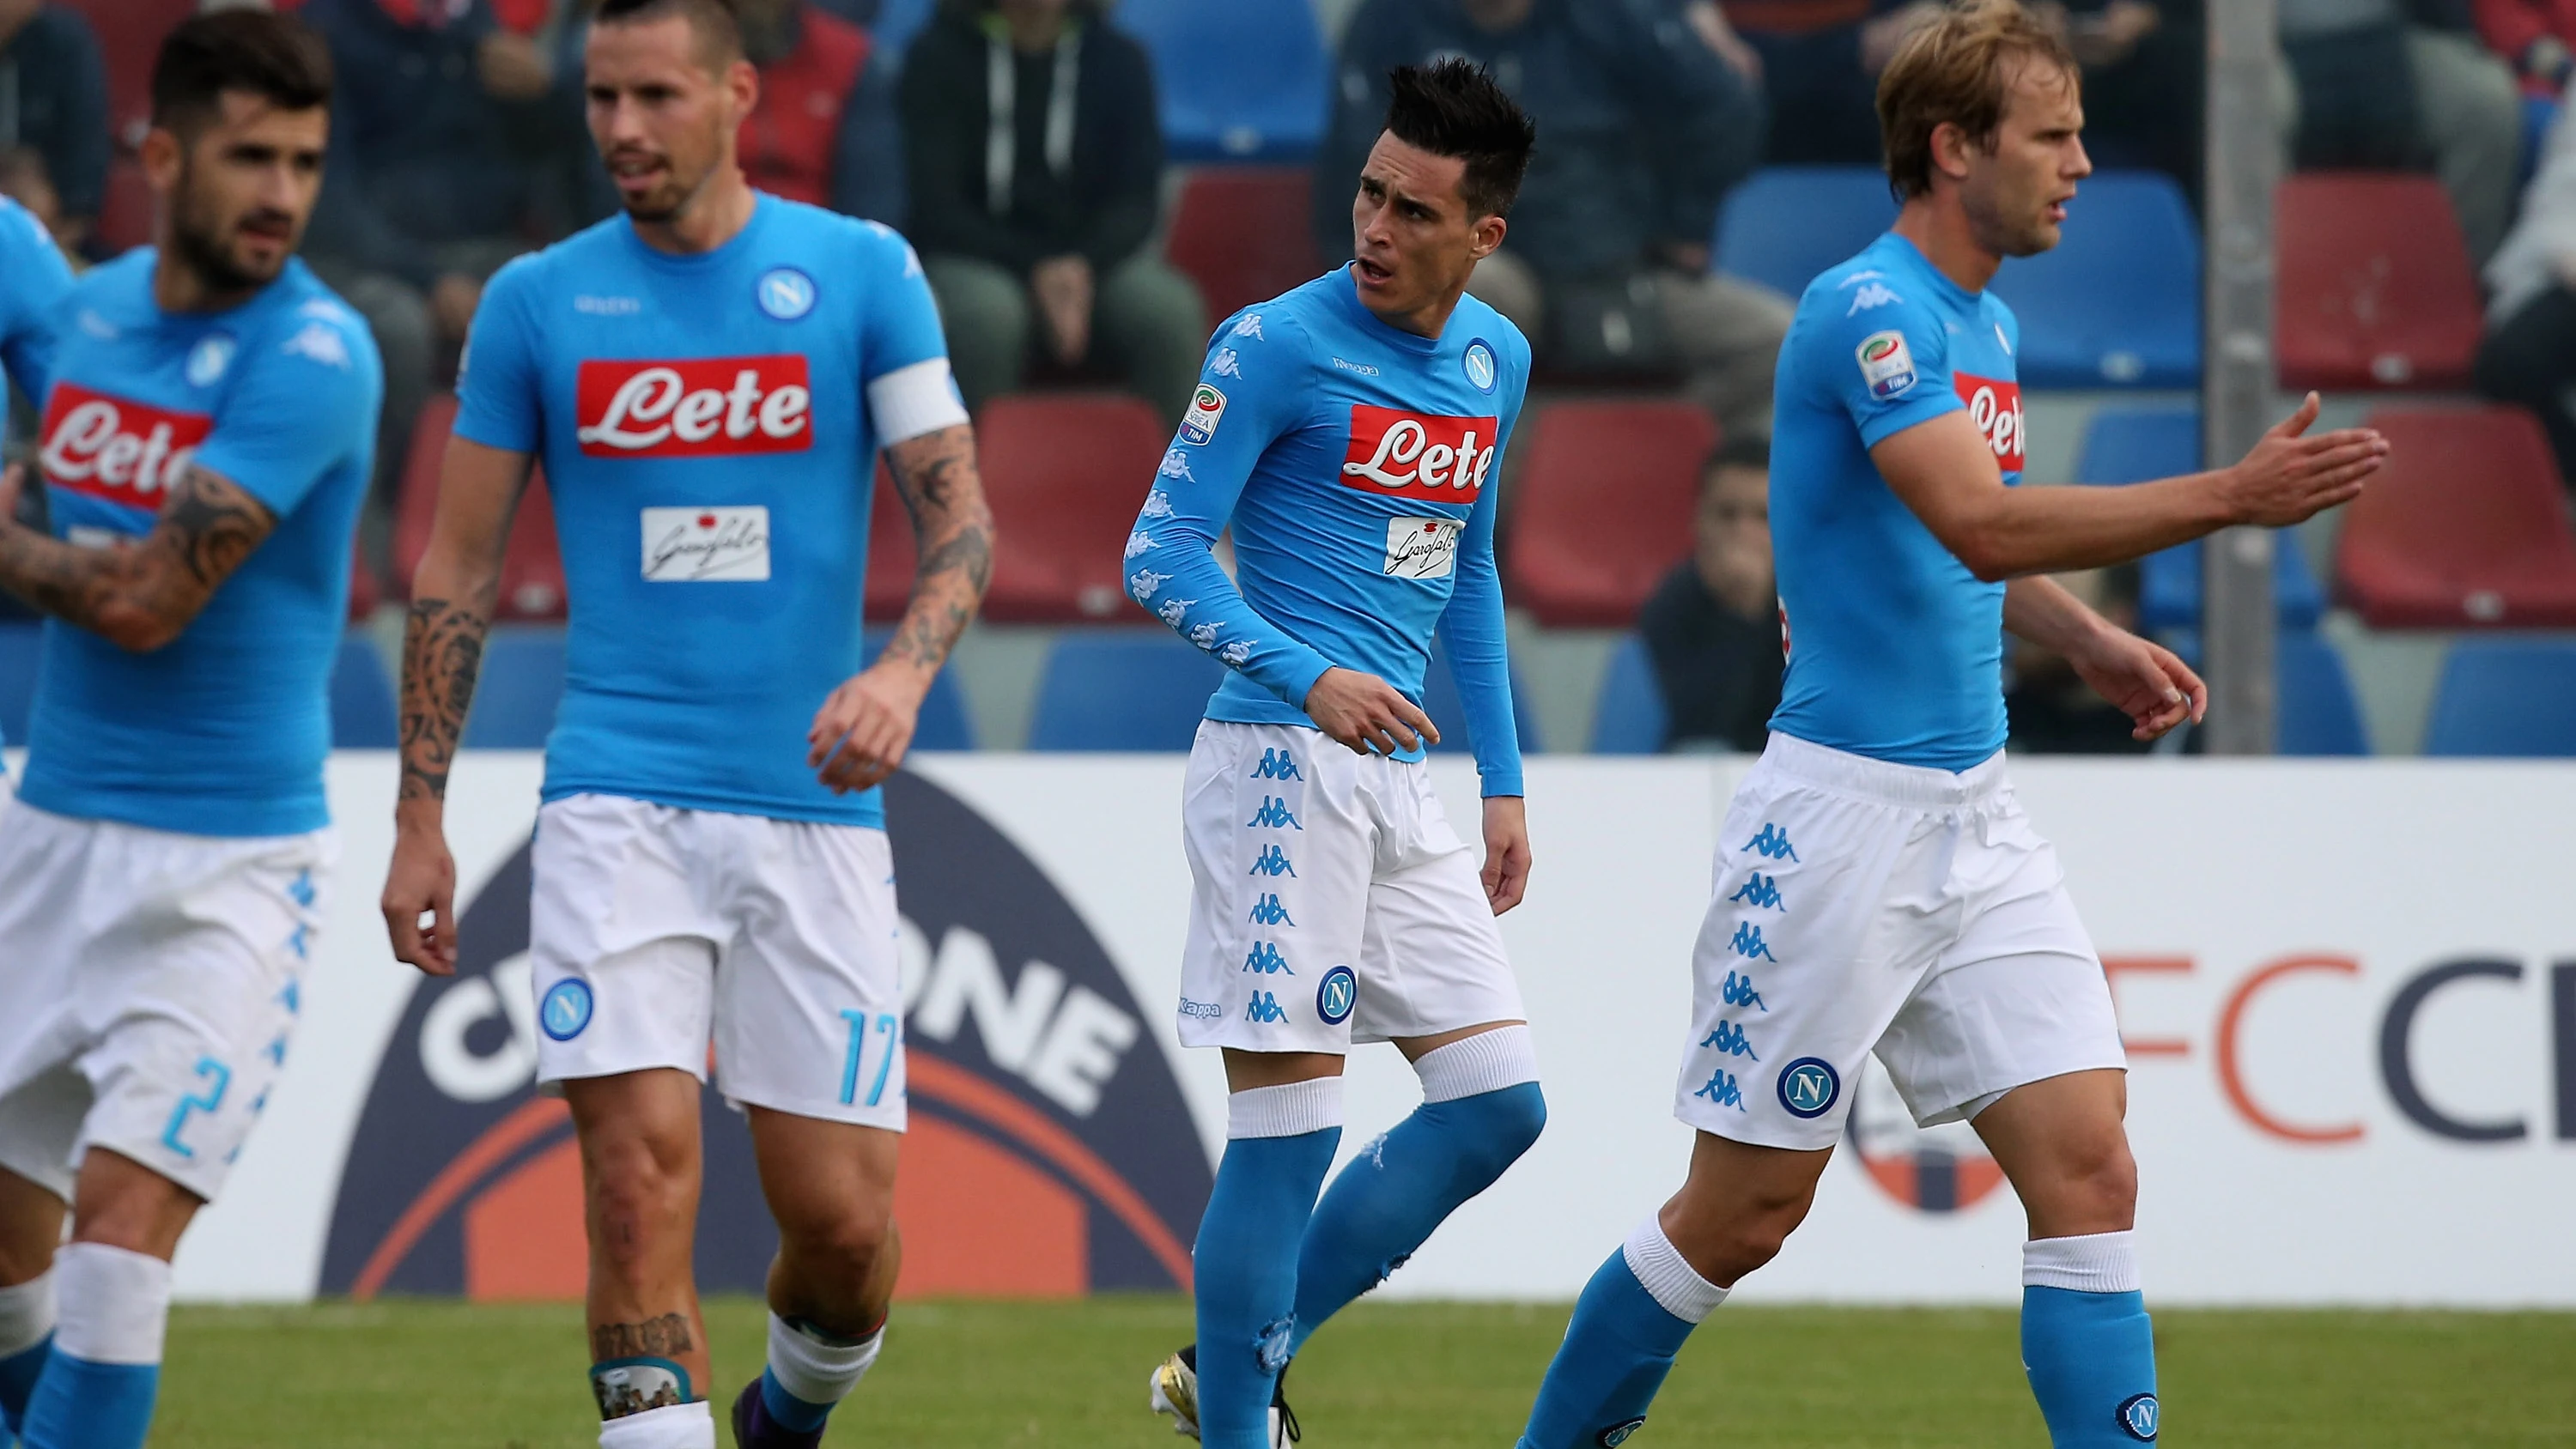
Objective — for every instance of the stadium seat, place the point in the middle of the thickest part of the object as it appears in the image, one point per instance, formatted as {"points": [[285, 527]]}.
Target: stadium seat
{"points": [[1238, 82], [2116, 303], [1245, 234], [522, 682], [21, 646], [2505, 697], [944, 723], [2134, 445], [1785, 224], [532, 577], [1606, 491], [1449, 715], [2374, 286], [897, 22], [362, 698], [1122, 690], [125, 212], [2318, 715], [2465, 526], [1629, 718], [129, 40], [1066, 472]]}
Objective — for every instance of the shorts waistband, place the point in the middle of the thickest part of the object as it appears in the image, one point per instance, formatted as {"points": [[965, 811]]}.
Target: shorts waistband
{"points": [[1917, 787]]}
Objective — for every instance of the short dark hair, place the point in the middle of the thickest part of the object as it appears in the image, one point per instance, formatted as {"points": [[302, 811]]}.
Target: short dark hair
{"points": [[1739, 450], [718, 24], [275, 57], [1455, 108]]}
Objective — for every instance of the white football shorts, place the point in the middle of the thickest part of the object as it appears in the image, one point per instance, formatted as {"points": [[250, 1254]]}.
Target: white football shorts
{"points": [[656, 931], [1864, 906], [1330, 900], [151, 983]]}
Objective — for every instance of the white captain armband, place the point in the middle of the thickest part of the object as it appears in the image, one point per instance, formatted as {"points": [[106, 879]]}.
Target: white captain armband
{"points": [[910, 402]]}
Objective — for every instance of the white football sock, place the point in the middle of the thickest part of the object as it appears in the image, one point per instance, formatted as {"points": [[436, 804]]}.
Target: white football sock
{"points": [[674, 1426], [114, 1304], [816, 1371], [2093, 1263], [1667, 1276], [26, 1314], [1291, 1109]]}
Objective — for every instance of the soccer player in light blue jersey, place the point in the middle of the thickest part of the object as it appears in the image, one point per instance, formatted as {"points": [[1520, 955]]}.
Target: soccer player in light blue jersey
{"points": [[708, 380], [1351, 433], [33, 279], [208, 430], [1878, 887]]}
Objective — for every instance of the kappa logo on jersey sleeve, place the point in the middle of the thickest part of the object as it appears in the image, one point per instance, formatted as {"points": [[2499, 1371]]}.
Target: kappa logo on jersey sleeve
{"points": [[115, 448], [704, 407], [1401, 454], [1995, 407]]}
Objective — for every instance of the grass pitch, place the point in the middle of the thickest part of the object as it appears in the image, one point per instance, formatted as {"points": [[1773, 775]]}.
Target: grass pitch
{"points": [[403, 1374]]}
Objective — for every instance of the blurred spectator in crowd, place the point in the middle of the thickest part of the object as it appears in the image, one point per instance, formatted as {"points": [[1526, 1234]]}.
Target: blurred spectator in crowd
{"points": [[1035, 160], [2405, 85], [1642, 128], [2529, 356], [437, 130], [1713, 626], [2050, 709], [2145, 67], [1817, 62], [2536, 37], [825, 131], [53, 103], [28, 181]]}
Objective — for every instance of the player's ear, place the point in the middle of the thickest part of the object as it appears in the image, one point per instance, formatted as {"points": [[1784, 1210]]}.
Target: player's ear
{"points": [[1486, 236], [1950, 145], [163, 151], [743, 80]]}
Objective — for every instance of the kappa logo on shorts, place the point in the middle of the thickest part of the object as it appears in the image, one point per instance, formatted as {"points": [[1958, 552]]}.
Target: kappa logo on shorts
{"points": [[566, 1009], [1809, 1087], [1617, 1434], [1273, 861], [2138, 1418], [1721, 1088], [1336, 995], [1265, 960], [1264, 1010], [1268, 912], [1761, 890], [1203, 1010], [1274, 814], [1748, 943], [1771, 843], [1276, 765], [1731, 1040], [1739, 991]]}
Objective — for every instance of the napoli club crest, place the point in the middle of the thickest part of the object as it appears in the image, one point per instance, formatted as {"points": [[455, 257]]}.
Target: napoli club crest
{"points": [[1480, 365], [785, 293]]}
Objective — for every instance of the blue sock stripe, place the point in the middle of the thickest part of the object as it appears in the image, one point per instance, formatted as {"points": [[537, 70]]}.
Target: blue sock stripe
{"points": [[83, 1405], [2092, 1364], [798, 1416]]}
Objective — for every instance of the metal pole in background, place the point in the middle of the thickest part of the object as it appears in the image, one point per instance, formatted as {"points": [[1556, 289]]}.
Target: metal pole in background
{"points": [[2244, 162]]}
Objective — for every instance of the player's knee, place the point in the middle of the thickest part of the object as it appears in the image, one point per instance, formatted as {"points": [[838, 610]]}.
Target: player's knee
{"points": [[1724, 1240], [2101, 1178], [844, 1241], [638, 1203], [1517, 1115]]}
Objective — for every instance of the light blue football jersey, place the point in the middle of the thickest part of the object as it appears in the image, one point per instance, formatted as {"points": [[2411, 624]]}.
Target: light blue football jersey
{"points": [[34, 278]]}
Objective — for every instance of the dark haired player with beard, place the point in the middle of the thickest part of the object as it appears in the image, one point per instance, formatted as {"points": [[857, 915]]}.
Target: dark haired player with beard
{"points": [[707, 379], [1351, 434], [206, 445], [1878, 888]]}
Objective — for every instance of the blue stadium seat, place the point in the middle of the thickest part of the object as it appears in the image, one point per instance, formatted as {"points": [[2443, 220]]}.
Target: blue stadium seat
{"points": [[2133, 445], [897, 21], [1238, 81], [1629, 718], [2505, 697], [1785, 224], [1122, 689], [2318, 714], [362, 698], [20, 646], [522, 681], [944, 722], [2116, 303], [1449, 716]]}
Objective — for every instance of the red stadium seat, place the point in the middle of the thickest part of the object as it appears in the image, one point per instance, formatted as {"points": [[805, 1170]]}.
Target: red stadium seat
{"points": [[1604, 507], [1066, 473], [2374, 285], [890, 553], [1245, 234], [129, 38], [2466, 526], [125, 212], [532, 577], [364, 592]]}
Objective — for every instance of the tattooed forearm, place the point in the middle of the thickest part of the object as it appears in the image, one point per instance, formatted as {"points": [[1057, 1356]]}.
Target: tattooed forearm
{"points": [[139, 594], [663, 1337], [953, 529], [442, 655]]}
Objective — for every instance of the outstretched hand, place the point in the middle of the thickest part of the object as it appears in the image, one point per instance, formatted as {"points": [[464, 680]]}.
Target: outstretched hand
{"points": [[2290, 476], [2150, 684]]}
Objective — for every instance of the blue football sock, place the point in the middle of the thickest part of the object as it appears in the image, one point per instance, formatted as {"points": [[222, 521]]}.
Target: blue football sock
{"points": [[1246, 1259], [1619, 1346], [2086, 1342], [788, 1411], [1391, 1196], [18, 1374], [83, 1405]]}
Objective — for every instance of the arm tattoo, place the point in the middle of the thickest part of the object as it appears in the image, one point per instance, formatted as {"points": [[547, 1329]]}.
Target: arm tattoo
{"points": [[944, 492], [442, 655], [140, 593]]}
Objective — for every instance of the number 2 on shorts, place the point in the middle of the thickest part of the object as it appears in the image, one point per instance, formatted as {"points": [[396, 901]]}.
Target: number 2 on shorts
{"points": [[205, 1101], [887, 1026]]}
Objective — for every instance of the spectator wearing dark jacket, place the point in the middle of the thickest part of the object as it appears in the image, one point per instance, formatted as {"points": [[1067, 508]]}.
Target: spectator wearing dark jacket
{"points": [[1035, 159], [1818, 63], [53, 102], [1642, 128], [1712, 627]]}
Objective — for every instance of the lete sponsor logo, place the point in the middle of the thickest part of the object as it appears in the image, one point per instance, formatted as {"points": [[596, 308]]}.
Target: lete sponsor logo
{"points": [[1027, 1074], [115, 448], [1995, 407], [1417, 455], [702, 407]]}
